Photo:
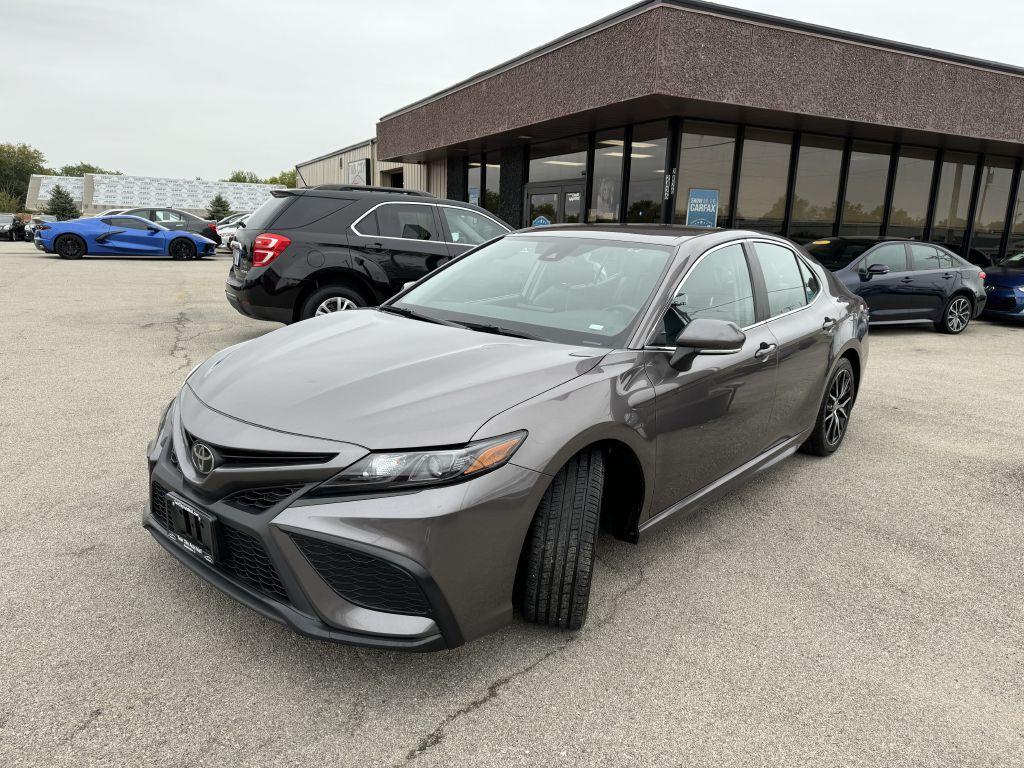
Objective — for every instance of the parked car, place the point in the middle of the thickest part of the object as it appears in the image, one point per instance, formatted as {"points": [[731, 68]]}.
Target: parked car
{"points": [[110, 212], [12, 227], [172, 218], [1004, 285], [309, 252], [570, 378], [230, 219], [119, 235], [30, 227], [228, 231], [906, 281]]}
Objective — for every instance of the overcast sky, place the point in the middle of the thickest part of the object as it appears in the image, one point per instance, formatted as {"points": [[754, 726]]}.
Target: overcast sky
{"points": [[201, 87]]}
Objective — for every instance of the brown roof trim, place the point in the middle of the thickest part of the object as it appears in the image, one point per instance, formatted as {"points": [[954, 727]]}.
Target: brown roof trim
{"points": [[715, 9]]}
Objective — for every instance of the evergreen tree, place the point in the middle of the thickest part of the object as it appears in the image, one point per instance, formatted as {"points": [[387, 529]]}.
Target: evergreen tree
{"points": [[61, 204], [218, 207]]}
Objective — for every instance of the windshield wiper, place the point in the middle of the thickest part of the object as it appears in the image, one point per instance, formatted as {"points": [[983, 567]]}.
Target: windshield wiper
{"points": [[414, 315], [497, 329]]}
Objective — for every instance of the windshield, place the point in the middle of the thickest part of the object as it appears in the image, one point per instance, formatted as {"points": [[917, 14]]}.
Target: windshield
{"points": [[834, 255], [567, 290], [1016, 260]]}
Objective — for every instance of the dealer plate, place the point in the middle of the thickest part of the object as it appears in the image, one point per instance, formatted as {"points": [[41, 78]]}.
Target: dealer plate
{"points": [[193, 530]]}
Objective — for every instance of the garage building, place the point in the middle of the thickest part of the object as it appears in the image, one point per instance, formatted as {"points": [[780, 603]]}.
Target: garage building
{"points": [[683, 111]]}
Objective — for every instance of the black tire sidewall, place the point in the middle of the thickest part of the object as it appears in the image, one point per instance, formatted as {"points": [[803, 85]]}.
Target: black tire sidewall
{"points": [[817, 444], [178, 243], [944, 322], [66, 238], [318, 296]]}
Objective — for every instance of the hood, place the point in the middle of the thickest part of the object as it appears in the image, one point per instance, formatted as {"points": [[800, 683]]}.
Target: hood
{"points": [[1008, 276], [382, 381]]}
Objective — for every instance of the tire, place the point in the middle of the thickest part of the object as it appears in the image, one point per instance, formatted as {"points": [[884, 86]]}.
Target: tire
{"points": [[182, 249], [956, 315], [841, 391], [69, 247], [558, 560], [340, 297]]}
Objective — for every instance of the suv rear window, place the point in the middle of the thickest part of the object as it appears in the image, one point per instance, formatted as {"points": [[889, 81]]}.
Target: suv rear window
{"points": [[308, 209], [264, 216]]}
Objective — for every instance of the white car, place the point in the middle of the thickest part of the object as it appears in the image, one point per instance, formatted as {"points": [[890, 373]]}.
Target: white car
{"points": [[227, 231]]}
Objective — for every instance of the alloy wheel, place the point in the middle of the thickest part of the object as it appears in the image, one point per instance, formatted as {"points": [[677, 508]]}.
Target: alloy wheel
{"points": [[334, 304], [958, 314], [837, 407], [70, 248]]}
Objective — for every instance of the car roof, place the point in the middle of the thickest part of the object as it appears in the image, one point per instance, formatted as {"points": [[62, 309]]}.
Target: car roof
{"points": [[659, 234], [378, 194], [867, 239]]}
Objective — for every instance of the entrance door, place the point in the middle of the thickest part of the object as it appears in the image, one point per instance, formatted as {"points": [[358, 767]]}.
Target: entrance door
{"points": [[553, 204]]}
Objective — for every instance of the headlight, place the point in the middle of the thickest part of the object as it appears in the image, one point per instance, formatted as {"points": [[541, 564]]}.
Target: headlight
{"points": [[404, 469]]}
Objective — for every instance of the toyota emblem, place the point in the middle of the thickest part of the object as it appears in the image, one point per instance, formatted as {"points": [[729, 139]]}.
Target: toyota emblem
{"points": [[203, 458]]}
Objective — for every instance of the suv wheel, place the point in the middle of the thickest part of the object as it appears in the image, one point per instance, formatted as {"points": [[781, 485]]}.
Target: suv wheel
{"points": [[330, 299], [956, 315], [558, 560], [834, 414]]}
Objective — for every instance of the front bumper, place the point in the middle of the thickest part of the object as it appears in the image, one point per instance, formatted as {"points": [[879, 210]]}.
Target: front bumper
{"points": [[451, 553], [1004, 301]]}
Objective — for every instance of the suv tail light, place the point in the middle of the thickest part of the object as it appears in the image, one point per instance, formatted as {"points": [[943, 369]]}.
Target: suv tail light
{"points": [[267, 247]]}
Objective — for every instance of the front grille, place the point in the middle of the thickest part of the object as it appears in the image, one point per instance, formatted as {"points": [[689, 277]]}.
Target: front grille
{"points": [[260, 499], [239, 554], [240, 457], [363, 579], [243, 557]]}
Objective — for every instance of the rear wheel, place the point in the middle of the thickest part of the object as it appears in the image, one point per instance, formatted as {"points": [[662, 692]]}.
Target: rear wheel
{"points": [[834, 414], [182, 249], [956, 315], [330, 299], [558, 561], [69, 247]]}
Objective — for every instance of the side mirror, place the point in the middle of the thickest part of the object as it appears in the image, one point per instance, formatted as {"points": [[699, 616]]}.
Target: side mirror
{"points": [[153, 230], [878, 269], [706, 336]]}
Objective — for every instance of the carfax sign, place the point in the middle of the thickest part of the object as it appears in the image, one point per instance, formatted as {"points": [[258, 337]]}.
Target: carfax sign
{"points": [[702, 208]]}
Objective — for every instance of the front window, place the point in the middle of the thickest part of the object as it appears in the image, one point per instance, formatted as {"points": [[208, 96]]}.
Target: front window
{"points": [[470, 227], [168, 217], [835, 254], [569, 290], [409, 222], [891, 255]]}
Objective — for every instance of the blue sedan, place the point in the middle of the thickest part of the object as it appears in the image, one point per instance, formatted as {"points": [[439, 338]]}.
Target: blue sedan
{"points": [[1004, 285], [119, 235]]}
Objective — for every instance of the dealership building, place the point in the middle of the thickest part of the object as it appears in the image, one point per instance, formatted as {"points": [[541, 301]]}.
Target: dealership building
{"points": [[689, 112]]}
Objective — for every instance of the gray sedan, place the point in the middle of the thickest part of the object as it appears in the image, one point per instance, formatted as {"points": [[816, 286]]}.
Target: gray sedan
{"points": [[409, 476]]}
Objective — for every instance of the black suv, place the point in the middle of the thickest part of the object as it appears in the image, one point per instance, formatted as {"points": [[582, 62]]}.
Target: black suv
{"points": [[308, 252]]}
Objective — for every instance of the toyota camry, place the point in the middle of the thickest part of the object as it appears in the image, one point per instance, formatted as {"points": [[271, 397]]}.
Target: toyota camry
{"points": [[409, 476]]}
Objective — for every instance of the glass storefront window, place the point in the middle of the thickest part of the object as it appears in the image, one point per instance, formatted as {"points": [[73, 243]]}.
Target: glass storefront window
{"points": [[817, 187], [647, 172], [706, 152], [561, 160], [865, 189], [606, 193], [492, 186], [953, 200], [909, 213], [1016, 241], [764, 173], [474, 180], [990, 216]]}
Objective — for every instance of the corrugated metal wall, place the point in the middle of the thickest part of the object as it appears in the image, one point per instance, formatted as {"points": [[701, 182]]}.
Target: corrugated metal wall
{"points": [[332, 169]]}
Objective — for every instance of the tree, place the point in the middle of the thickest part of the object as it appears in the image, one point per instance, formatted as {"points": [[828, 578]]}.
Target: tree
{"points": [[9, 203], [17, 163], [80, 169], [287, 178], [218, 207], [244, 177], [62, 204]]}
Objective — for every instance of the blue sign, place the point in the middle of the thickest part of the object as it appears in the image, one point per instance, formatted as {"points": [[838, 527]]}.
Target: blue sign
{"points": [[542, 221], [474, 195], [702, 208]]}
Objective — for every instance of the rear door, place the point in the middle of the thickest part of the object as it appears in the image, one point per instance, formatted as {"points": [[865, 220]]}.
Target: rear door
{"points": [[885, 294], [130, 235], [169, 219], [409, 243], [934, 279]]}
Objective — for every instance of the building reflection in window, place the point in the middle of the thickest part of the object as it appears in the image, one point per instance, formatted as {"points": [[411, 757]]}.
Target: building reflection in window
{"points": [[864, 202], [764, 173], [706, 152], [817, 187], [990, 215], [647, 172], [606, 189], [953, 199], [911, 191]]}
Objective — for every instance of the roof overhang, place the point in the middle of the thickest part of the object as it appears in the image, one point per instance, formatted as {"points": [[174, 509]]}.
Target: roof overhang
{"points": [[671, 57]]}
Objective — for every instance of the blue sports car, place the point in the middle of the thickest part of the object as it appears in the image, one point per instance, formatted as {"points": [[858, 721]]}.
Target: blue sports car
{"points": [[124, 235], [1004, 284]]}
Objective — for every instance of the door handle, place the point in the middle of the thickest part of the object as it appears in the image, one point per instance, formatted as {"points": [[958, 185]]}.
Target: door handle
{"points": [[947, 276], [765, 350], [376, 247], [907, 280], [829, 324]]}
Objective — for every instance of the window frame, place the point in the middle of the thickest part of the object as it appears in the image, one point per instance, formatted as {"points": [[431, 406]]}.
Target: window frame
{"points": [[438, 218], [447, 230], [863, 258]]}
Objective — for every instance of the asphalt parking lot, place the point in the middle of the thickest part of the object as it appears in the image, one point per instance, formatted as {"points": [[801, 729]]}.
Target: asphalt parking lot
{"points": [[861, 610]]}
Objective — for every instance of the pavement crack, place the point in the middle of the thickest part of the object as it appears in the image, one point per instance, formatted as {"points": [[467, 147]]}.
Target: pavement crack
{"points": [[178, 349], [82, 726]]}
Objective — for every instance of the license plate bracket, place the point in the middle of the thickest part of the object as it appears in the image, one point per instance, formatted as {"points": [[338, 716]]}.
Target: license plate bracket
{"points": [[193, 529]]}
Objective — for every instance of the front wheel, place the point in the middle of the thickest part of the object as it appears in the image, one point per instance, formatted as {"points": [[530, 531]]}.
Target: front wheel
{"points": [[956, 315], [834, 414], [558, 561], [182, 249]]}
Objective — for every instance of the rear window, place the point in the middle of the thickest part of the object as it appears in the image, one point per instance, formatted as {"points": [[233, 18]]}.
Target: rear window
{"points": [[308, 209], [834, 255], [264, 216]]}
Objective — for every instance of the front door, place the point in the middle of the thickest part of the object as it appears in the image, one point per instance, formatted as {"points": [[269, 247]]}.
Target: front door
{"points": [[886, 295], [556, 203]]}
